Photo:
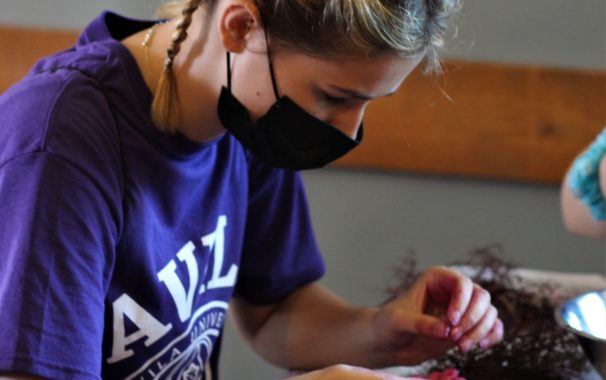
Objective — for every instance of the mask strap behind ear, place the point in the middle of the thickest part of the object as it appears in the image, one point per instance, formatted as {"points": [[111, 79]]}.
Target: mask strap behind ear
{"points": [[271, 66], [228, 71]]}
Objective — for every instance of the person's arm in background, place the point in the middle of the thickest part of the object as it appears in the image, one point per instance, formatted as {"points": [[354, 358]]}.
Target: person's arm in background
{"points": [[583, 192]]}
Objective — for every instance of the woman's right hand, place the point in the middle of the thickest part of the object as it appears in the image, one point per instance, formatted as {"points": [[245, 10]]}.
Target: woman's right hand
{"points": [[340, 372]]}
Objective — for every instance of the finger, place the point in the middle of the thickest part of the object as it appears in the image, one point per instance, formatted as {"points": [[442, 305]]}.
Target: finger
{"points": [[449, 374], [455, 289], [479, 331], [368, 374], [421, 324], [461, 296], [342, 371], [478, 305], [494, 336]]}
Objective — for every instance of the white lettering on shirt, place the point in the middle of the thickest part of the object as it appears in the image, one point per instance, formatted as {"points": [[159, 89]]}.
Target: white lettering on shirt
{"points": [[168, 276], [216, 243], [183, 299], [148, 326]]}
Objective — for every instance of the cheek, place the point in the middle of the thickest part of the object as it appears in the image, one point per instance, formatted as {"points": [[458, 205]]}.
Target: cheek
{"points": [[251, 85], [348, 120], [256, 102]]}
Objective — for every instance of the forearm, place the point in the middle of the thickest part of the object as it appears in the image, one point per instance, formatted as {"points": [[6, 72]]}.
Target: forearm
{"points": [[584, 191], [577, 217], [311, 329]]}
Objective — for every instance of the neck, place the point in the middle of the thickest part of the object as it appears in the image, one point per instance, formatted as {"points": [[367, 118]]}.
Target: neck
{"points": [[198, 68]]}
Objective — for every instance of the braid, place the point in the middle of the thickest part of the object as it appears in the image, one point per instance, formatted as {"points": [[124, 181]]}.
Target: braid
{"points": [[165, 107]]}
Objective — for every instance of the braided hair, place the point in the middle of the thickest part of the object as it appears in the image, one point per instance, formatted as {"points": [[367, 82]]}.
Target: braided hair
{"points": [[165, 106]]}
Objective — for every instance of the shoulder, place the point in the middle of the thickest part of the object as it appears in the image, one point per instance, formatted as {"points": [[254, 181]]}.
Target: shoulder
{"points": [[63, 112]]}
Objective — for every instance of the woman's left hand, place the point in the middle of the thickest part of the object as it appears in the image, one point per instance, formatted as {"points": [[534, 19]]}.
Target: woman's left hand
{"points": [[441, 310]]}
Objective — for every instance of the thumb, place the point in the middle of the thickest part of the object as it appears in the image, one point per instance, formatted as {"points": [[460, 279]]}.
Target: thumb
{"points": [[421, 324]]}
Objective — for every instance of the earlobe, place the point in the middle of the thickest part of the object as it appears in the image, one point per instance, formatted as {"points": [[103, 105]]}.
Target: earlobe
{"points": [[237, 21]]}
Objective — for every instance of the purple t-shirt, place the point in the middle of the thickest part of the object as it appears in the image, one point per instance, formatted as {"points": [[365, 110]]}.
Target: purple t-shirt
{"points": [[121, 246]]}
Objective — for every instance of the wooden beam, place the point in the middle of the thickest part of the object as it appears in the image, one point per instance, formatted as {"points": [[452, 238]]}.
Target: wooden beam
{"points": [[522, 123], [20, 48]]}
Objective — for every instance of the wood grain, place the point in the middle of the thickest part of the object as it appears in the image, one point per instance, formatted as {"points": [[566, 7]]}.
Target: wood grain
{"points": [[20, 48], [522, 123], [497, 121]]}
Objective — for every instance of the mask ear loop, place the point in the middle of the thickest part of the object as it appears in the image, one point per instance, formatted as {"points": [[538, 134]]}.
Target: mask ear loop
{"points": [[271, 66], [228, 71]]}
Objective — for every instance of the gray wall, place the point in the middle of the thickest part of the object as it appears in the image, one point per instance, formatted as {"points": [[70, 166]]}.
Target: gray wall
{"points": [[552, 32], [567, 33], [69, 14], [367, 221]]}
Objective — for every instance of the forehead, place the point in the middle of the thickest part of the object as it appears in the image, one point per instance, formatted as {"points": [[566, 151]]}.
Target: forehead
{"points": [[382, 72]]}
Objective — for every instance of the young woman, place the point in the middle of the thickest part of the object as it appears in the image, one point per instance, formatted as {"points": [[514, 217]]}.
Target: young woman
{"points": [[149, 179]]}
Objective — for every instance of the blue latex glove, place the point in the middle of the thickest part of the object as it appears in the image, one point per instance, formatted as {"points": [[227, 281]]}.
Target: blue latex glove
{"points": [[584, 179]]}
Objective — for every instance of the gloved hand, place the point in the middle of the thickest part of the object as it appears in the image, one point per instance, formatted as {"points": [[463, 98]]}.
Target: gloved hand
{"points": [[584, 179]]}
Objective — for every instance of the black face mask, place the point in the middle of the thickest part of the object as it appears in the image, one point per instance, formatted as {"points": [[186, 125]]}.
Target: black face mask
{"points": [[286, 136]]}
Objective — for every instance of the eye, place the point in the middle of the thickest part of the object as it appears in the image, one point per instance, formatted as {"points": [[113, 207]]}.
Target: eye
{"points": [[333, 99]]}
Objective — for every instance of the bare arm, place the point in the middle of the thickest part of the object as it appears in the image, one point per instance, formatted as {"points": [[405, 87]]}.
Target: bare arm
{"points": [[576, 215], [312, 328]]}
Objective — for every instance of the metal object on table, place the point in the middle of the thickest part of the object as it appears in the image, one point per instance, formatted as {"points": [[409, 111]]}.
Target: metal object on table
{"points": [[585, 316]]}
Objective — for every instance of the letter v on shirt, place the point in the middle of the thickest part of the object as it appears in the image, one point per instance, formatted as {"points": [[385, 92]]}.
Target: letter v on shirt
{"points": [[148, 326]]}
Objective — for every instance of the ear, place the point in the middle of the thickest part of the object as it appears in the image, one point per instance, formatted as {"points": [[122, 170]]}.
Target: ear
{"points": [[237, 21]]}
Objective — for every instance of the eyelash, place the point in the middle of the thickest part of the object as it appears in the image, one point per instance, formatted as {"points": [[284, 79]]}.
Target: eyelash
{"points": [[333, 99]]}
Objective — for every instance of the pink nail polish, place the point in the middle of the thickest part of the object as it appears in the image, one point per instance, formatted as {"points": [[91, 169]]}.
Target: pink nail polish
{"points": [[465, 346], [446, 332], [451, 372], [456, 333]]}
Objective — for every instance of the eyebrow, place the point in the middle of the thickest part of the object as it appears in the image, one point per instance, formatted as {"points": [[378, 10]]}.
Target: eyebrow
{"points": [[358, 95]]}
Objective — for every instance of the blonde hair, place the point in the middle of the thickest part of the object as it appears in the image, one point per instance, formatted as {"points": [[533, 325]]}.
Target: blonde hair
{"points": [[324, 28]]}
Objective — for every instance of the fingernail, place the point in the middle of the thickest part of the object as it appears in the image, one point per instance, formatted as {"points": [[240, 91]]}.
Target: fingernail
{"points": [[456, 333], [439, 330], [484, 343], [455, 317], [465, 346], [451, 372]]}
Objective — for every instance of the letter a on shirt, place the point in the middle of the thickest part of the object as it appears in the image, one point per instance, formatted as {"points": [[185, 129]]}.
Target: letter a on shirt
{"points": [[148, 326]]}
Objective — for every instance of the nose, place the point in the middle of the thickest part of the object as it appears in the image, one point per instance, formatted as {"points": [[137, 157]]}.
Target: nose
{"points": [[348, 121]]}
